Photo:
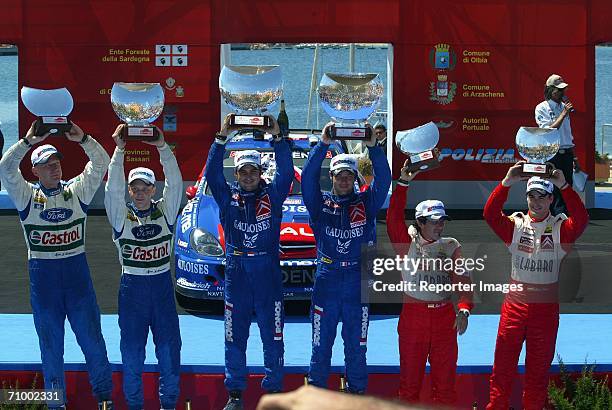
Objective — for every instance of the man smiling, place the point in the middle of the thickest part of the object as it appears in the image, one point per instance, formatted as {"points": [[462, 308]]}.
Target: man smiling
{"points": [[250, 210], [344, 223], [538, 242], [53, 214], [142, 231]]}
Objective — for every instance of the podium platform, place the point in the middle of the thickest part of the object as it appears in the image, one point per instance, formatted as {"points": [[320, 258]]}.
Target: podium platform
{"points": [[582, 338]]}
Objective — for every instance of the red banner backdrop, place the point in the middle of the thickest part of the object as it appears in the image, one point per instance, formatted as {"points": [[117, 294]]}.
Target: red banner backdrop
{"points": [[477, 69], [206, 391]]}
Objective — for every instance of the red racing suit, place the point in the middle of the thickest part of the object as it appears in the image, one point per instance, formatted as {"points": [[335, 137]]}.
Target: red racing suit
{"points": [[426, 325], [531, 315]]}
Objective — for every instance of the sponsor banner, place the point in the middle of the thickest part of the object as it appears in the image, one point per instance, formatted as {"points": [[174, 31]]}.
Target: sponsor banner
{"points": [[301, 209], [188, 215], [55, 120], [296, 232], [146, 254], [100, 66], [56, 215], [363, 340], [229, 331], [317, 312], [54, 238], [148, 231], [475, 93], [192, 267], [278, 320]]}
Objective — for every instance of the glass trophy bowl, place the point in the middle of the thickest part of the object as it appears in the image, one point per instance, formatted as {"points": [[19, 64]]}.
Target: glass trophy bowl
{"points": [[51, 107], [418, 144], [350, 99], [138, 105], [251, 91], [537, 146]]}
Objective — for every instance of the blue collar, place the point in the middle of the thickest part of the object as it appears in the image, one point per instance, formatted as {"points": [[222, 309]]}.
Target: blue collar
{"points": [[52, 191], [343, 198], [139, 213], [243, 193]]}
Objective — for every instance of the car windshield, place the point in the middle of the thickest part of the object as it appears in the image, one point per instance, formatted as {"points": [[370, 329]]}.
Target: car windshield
{"points": [[299, 159]]}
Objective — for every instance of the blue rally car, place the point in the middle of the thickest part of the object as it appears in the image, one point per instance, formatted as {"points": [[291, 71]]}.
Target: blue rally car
{"points": [[199, 241]]}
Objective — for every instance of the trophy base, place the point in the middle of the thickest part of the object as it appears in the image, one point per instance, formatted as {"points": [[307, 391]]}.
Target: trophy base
{"points": [[350, 133], [139, 133], [245, 121], [55, 126], [537, 170], [423, 161]]}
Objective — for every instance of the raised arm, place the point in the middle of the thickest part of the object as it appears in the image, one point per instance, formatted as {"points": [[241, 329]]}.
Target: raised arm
{"points": [[213, 170], [13, 182], [493, 213], [173, 182], [382, 178], [114, 192], [284, 167], [574, 226], [545, 118], [87, 182], [19, 190], [214, 175], [311, 185], [396, 222]]}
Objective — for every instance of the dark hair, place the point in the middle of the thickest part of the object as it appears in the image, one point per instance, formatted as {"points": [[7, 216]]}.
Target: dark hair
{"points": [[420, 219], [543, 195], [548, 90], [380, 126]]}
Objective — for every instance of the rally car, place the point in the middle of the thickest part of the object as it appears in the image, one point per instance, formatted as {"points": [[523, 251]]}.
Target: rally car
{"points": [[199, 239]]}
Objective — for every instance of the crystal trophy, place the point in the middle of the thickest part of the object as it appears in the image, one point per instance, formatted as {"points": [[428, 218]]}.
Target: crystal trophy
{"points": [[350, 99], [251, 92], [418, 144], [138, 105], [52, 108], [537, 146]]}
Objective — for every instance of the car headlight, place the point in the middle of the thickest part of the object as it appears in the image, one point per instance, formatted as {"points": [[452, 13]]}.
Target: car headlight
{"points": [[204, 243]]}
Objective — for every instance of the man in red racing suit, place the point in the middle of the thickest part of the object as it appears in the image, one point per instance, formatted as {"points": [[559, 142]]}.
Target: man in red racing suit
{"points": [[428, 324], [537, 242]]}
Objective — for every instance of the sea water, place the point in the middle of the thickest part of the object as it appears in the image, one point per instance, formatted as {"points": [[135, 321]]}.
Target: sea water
{"points": [[297, 70]]}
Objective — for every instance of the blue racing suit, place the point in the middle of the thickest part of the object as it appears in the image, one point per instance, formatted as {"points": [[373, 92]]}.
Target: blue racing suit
{"points": [[342, 226], [253, 280], [146, 294], [54, 223]]}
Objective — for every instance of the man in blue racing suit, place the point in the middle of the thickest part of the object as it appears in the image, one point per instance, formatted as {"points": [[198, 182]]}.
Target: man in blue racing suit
{"points": [[251, 211], [343, 221], [53, 215]]}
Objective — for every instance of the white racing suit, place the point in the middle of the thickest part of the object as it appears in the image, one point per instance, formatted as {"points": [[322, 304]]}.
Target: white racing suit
{"points": [[146, 295], [54, 222]]}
